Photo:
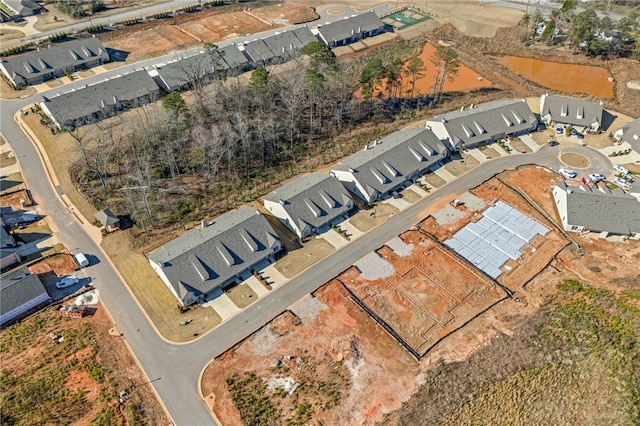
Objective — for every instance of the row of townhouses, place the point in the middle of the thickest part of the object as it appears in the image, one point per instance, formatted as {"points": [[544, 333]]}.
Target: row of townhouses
{"points": [[199, 264]]}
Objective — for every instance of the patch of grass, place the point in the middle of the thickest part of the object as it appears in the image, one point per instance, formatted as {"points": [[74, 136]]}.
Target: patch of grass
{"points": [[577, 361], [249, 394]]}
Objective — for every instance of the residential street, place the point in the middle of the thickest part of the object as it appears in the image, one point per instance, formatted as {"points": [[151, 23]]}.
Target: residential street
{"points": [[174, 370]]}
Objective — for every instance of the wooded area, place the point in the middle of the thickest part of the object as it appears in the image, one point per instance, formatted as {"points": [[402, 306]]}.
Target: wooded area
{"points": [[230, 140]]}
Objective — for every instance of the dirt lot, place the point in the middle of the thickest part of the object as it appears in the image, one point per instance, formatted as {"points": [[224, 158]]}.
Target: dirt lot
{"points": [[348, 369], [159, 37], [76, 381], [60, 264], [422, 303]]}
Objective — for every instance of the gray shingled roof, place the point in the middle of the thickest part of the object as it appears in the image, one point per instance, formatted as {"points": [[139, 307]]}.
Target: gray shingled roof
{"points": [[289, 41], [106, 217], [305, 35], [233, 56], [24, 7], [55, 58], [202, 259], [258, 51], [185, 71], [574, 111], [631, 134], [6, 239], [345, 28], [73, 106], [601, 209], [18, 288], [387, 164], [487, 121], [314, 199]]}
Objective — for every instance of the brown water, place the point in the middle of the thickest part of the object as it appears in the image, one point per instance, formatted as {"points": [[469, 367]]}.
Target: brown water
{"points": [[564, 77], [466, 79]]}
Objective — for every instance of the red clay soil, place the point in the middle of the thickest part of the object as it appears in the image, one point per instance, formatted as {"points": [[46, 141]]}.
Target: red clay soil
{"points": [[13, 199], [61, 264], [339, 343], [110, 352], [537, 183], [430, 294], [573, 78]]}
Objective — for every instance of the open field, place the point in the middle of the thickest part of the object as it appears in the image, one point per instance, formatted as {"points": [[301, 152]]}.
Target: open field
{"points": [[421, 291], [76, 380]]}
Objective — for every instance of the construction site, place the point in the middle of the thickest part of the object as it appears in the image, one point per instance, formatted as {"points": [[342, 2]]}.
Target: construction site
{"points": [[360, 345]]}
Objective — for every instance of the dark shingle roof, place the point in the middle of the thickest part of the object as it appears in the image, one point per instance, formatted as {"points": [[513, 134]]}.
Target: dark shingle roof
{"points": [[345, 28], [233, 56], [19, 288], [601, 209], [315, 199], [55, 58], [106, 217], [387, 164], [202, 259], [574, 111], [258, 51], [94, 99], [185, 71], [487, 121]]}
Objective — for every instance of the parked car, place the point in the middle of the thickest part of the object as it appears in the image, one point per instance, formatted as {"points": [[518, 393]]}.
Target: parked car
{"points": [[67, 281], [622, 183], [568, 173], [81, 259], [596, 177], [621, 169], [579, 135], [559, 130], [553, 143]]}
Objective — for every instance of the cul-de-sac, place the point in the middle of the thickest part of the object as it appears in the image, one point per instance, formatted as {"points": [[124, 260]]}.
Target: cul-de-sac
{"points": [[310, 212]]}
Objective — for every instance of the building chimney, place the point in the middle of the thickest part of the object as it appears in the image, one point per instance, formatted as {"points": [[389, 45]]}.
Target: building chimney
{"points": [[462, 108], [203, 223], [375, 142], [366, 147]]}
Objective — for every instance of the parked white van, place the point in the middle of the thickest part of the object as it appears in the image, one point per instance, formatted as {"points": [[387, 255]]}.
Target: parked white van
{"points": [[81, 259]]}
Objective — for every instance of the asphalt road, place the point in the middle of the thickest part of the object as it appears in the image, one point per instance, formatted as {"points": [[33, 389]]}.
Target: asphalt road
{"points": [[174, 370]]}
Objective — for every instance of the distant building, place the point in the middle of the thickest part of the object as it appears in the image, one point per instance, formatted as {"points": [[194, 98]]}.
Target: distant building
{"points": [[21, 293], [199, 264], [392, 162], [185, 72], [484, 123], [108, 219], [575, 112], [350, 30], [279, 46], [47, 63], [629, 134], [309, 203], [96, 102], [24, 7], [597, 209]]}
